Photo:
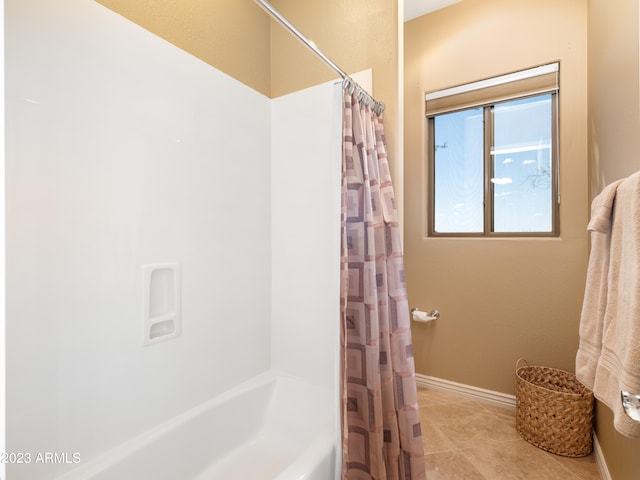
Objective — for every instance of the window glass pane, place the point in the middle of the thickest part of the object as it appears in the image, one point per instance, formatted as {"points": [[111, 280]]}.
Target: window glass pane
{"points": [[458, 164], [521, 159]]}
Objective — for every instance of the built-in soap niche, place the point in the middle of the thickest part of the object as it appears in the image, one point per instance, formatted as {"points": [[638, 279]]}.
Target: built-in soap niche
{"points": [[161, 302]]}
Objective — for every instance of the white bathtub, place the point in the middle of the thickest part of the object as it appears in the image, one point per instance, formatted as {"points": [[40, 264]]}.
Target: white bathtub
{"points": [[270, 428]]}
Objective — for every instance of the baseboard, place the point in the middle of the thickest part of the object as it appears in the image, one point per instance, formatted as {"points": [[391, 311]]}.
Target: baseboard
{"points": [[600, 461], [502, 399], [475, 393]]}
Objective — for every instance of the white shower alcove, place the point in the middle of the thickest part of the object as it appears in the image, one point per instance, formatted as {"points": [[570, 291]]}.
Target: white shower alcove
{"points": [[108, 171]]}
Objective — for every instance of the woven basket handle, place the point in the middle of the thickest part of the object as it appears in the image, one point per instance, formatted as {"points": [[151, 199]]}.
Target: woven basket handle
{"points": [[521, 360]]}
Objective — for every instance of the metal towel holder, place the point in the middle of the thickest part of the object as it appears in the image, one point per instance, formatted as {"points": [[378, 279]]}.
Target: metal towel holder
{"points": [[631, 405]]}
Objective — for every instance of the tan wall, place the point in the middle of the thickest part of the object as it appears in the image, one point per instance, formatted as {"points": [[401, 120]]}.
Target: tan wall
{"points": [[614, 96], [231, 35], [500, 299], [355, 34], [614, 146], [620, 453]]}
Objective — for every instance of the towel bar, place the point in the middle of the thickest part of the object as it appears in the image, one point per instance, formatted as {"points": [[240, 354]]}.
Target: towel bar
{"points": [[631, 404]]}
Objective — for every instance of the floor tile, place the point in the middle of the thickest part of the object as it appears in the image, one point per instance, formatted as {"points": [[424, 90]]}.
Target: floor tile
{"points": [[476, 440], [466, 424], [585, 468], [433, 439], [450, 466], [506, 414], [515, 459], [427, 397]]}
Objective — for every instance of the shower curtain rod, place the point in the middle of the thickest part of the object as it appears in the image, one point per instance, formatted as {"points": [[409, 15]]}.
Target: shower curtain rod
{"points": [[347, 80]]}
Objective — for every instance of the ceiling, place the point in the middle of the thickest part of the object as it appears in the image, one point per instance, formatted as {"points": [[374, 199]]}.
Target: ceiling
{"points": [[417, 8]]}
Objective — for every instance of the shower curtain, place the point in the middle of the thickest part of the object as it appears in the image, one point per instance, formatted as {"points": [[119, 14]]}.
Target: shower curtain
{"points": [[381, 435]]}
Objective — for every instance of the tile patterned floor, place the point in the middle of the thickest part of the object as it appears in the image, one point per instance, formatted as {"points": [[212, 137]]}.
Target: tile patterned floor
{"points": [[472, 440]]}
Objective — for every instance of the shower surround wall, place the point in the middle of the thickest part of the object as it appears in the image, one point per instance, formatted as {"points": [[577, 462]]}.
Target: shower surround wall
{"points": [[123, 150], [305, 222]]}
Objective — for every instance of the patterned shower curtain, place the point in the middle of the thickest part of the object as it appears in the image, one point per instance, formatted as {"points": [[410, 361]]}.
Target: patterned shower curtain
{"points": [[381, 435]]}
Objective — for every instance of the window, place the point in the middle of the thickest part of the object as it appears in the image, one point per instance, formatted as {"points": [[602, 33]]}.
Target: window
{"points": [[492, 155]]}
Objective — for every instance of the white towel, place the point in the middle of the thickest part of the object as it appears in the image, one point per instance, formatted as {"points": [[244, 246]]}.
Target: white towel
{"points": [[611, 322]]}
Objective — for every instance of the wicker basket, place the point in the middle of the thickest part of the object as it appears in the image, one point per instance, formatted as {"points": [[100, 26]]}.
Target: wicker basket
{"points": [[554, 411]]}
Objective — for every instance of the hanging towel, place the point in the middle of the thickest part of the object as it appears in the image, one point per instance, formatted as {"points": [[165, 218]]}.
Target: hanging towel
{"points": [[595, 295], [611, 322]]}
